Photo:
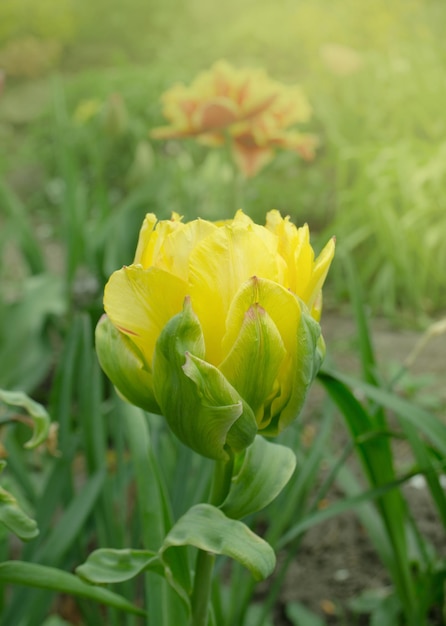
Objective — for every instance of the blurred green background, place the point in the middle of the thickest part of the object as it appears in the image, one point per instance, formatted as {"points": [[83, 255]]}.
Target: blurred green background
{"points": [[82, 86]]}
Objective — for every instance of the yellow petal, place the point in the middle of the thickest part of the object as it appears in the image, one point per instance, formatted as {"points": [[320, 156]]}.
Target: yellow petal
{"points": [[152, 238], [145, 235], [140, 302], [305, 274], [218, 266], [294, 247], [178, 246], [320, 269]]}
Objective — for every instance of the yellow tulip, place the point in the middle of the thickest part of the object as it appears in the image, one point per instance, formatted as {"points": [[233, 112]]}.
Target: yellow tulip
{"points": [[215, 326]]}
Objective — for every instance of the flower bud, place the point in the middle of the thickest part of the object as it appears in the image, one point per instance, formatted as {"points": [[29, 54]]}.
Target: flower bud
{"points": [[215, 326]]}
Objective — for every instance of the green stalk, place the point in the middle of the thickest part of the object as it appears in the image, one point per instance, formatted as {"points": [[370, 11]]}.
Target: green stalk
{"points": [[150, 509], [201, 593]]}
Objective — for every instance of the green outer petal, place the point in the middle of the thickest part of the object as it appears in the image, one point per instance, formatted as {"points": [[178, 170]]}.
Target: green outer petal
{"points": [[305, 365], [265, 470], [199, 404], [253, 364], [218, 401], [124, 365]]}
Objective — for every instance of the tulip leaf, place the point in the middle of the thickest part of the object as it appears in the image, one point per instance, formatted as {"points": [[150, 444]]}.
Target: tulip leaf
{"points": [[264, 472], [207, 528], [108, 565], [44, 577], [204, 527], [38, 415], [12, 516], [205, 411]]}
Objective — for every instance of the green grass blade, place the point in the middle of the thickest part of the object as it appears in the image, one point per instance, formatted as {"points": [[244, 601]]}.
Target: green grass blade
{"points": [[72, 522], [422, 420], [160, 600], [366, 351], [376, 455], [347, 504], [23, 228], [43, 577]]}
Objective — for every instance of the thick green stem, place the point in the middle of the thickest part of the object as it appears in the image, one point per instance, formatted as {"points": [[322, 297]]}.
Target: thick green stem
{"points": [[201, 594], [221, 481], [202, 588]]}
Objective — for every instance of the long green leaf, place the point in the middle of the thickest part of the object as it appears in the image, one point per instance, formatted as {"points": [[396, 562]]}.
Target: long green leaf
{"points": [[73, 520], [152, 512], [422, 420], [340, 507], [23, 228], [44, 577]]}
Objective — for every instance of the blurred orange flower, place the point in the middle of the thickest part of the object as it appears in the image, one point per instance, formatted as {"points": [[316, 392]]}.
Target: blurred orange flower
{"points": [[255, 140], [243, 106], [216, 99]]}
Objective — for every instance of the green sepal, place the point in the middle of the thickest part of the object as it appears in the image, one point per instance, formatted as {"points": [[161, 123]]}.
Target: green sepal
{"points": [[220, 403], [306, 363], [201, 407], [254, 361], [264, 471], [39, 416], [124, 365]]}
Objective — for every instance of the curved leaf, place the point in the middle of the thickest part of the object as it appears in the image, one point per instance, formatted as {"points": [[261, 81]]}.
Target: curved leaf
{"points": [[37, 413], [44, 577], [12, 516], [266, 469], [207, 528], [114, 566]]}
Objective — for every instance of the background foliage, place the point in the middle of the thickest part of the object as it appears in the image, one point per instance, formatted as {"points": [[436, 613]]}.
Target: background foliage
{"points": [[78, 172]]}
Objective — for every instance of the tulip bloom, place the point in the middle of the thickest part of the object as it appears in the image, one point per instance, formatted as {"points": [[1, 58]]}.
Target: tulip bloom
{"points": [[215, 326], [245, 108], [216, 99]]}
